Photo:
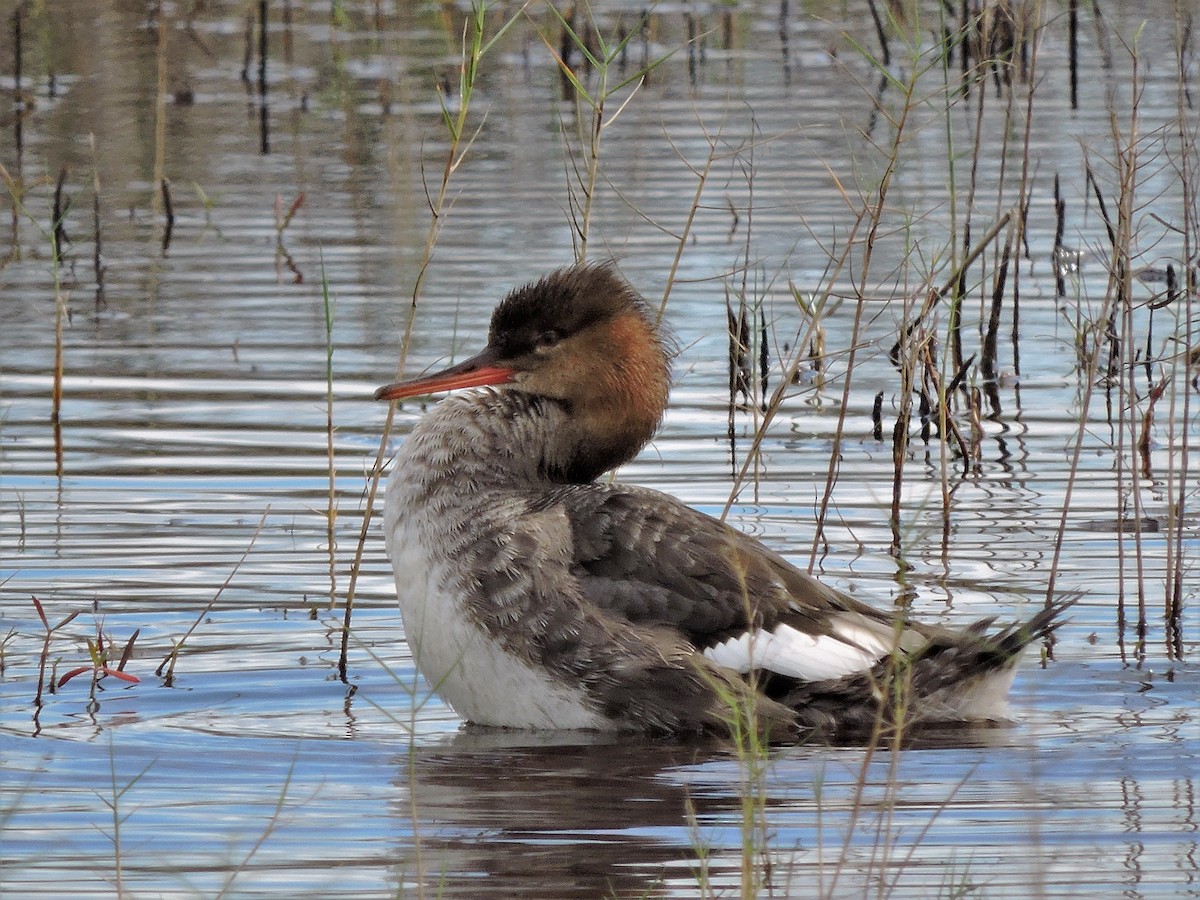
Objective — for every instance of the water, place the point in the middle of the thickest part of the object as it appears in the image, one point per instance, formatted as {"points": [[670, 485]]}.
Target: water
{"points": [[193, 433]]}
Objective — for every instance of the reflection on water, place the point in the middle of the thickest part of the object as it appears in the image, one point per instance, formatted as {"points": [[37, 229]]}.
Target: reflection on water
{"points": [[194, 401], [227, 781]]}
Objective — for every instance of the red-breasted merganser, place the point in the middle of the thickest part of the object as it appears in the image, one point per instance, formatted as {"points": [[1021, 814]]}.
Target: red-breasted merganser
{"points": [[535, 596]]}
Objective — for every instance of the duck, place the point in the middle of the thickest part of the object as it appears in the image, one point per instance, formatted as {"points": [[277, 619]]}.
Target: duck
{"points": [[537, 592]]}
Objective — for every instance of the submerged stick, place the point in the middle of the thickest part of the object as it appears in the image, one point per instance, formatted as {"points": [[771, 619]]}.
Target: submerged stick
{"points": [[18, 28], [1073, 50], [1060, 227], [97, 239], [764, 360], [57, 237], [264, 119], [168, 214], [58, 214], [248, 51], [880, 32]]}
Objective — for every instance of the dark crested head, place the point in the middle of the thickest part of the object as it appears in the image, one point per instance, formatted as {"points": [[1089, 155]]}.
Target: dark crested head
{"points": [[562, 304], [582, 339]]}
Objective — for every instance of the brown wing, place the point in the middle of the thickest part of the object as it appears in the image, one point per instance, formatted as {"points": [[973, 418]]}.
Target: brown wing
{"points": [[650, 558]]}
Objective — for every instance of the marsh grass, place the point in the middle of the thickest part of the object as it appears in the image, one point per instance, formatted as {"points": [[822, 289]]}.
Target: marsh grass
{"points": [[476, 44], [593, 84], [114, 802], [1120, 358], [44, 660], [958, 293], [931, 363]]}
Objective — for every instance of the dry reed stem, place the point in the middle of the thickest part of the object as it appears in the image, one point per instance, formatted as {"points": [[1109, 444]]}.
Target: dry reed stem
{"points": [[472, 53]]}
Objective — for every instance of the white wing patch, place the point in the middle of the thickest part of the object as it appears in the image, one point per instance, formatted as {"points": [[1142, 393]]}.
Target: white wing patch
{"points": [[797, 654]]}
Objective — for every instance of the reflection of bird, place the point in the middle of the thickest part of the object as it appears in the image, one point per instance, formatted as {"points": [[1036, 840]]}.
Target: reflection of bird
{"points": [[534, 596]]}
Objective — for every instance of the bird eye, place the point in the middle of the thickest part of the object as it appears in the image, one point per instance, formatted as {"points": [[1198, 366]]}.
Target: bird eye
{"points": [[548, 339]]}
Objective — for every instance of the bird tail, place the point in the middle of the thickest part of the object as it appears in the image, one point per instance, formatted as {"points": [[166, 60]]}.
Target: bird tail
{"points": [[955, 677], [966, 678]]}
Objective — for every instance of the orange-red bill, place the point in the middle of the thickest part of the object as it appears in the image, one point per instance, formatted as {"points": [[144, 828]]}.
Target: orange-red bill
{"points": [[477, 371]]}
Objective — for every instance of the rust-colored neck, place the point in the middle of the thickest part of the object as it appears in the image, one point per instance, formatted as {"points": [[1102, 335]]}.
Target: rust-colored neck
{"points": [[617, 405]]}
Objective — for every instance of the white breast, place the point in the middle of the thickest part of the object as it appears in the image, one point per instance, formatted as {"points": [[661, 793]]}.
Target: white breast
{"points": [[469, 669]]}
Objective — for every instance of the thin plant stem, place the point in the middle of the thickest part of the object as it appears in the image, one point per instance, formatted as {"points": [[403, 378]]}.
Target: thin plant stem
{"points": [[474, 49], [171, 658], [331, 510]]}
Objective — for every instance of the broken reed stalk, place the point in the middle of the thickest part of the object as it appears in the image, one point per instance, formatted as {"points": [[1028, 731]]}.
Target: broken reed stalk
{"points": [[58, 215], [97, 236], [739, 352], [1029, 74], [248, 49], [58, 237], [262, 48], [1060, 253], [764, 358], [263, 120], [18, 54], [1147, 424], [693, 38], [168, 215], [964, 46], [19, 102], [160, 108], [783, 30], [1073, 50], [900, 441]]}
